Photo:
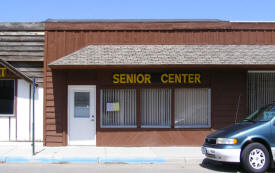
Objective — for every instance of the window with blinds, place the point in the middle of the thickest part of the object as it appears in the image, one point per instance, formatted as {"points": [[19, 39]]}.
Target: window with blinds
{"points": [[192, 108], [118, 108], [261, 89], [155, 108]]}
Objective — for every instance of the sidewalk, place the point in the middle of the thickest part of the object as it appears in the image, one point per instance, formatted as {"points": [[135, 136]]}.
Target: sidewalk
{"points": [[22, 152]]}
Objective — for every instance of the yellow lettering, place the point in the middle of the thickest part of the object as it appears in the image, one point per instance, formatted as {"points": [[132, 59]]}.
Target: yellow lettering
{"points": [[197, 78], [135, 78], [184, 77], [177, 78], [147, 78], [129, 78], [164, 76], [116, 78], [3, 72], [171, 78], [132, 78], [140, 78], [191, 78], [123, 78]]}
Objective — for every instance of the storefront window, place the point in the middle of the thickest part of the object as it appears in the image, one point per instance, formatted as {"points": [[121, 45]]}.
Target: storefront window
{"points": [[6, 97], [118, 108], [192, 107], [155, 108]]}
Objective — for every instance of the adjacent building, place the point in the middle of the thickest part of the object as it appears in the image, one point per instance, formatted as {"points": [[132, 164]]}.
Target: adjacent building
{"points": [[21, 61]]}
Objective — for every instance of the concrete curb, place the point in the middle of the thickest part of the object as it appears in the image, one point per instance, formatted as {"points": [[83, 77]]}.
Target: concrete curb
{"points": [[80, 160]]}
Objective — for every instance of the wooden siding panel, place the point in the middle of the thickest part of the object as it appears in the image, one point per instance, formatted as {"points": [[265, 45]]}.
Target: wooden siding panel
{"points": [[49, 109], [68, 42], [152, 138], [50, 127], [50, 115], [267, 38], [54, 139], [53, 133], [273, 37], [225, 99]]}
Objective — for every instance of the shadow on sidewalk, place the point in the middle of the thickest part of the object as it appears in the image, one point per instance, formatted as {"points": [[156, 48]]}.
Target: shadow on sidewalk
{"points": [[225, 167]]}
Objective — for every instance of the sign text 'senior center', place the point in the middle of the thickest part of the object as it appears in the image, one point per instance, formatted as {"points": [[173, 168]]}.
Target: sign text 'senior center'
{"points": [[164, 78]]}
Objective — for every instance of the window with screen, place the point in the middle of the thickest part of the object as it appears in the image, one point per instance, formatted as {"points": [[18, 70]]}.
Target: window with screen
{"points": [[118, 108], [6, 97]]}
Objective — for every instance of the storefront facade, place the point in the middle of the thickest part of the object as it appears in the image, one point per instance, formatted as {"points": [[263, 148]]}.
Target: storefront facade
{"points": [[150, 83]]}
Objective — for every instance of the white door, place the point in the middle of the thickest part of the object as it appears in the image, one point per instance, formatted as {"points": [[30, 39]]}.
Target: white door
{"points": [[82, 115]]}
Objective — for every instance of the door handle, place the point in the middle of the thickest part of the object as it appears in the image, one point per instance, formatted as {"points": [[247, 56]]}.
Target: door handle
{"points": [[92, 118]]}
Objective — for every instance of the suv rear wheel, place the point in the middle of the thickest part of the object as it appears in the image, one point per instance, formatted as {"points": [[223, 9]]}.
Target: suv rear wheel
{"points": [[255, 158]]}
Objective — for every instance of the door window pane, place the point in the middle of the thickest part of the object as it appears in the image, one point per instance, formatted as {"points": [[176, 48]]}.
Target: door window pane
{"points": [[118, 108], [192, 107], [82, 104], [6, 97], [155, 108]]}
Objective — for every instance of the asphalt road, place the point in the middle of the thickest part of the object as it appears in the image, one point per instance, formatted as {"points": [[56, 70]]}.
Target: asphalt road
{"points": [[205, 167]]}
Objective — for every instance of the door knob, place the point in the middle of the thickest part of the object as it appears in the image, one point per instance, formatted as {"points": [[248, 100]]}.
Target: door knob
{"points": [[92, 118]]}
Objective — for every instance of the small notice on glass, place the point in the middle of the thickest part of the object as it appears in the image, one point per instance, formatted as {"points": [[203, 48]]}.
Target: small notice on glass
{"points": [[112, 107]]}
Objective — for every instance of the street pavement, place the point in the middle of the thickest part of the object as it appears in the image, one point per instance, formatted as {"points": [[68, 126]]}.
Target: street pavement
{"points": [[206, 166], [17, 157]]}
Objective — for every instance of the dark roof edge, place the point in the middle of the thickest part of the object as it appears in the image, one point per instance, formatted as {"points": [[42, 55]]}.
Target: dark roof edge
{"points": [[22, 26], [133, 20], [15, 71], [150, 25]]}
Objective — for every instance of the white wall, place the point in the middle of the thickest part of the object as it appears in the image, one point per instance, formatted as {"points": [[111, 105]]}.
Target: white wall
{"points": [[38, 114], [23, 110], [20, 128], [4, 128]]}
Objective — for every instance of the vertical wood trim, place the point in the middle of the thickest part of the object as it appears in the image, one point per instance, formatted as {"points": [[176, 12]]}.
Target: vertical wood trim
{"points": [[45, 86], [65, 115], [138, 109], [246, 93], [212, 117], [98, 117], [30, 112], [9, 128], [273, 37], [98, 102], [173, 108], [15, 106], [65, 121]]}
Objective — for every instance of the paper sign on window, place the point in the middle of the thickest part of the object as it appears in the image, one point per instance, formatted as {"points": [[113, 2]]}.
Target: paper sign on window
{"points": [[112, 107]]}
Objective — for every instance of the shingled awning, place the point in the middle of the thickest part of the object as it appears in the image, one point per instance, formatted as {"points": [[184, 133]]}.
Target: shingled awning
{"points": [[104, 55]]}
